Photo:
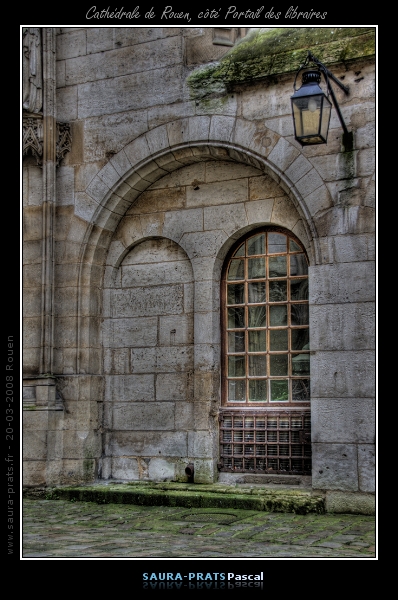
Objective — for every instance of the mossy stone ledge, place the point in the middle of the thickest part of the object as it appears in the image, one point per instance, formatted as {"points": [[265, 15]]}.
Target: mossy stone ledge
{"points": [[267, 53]]}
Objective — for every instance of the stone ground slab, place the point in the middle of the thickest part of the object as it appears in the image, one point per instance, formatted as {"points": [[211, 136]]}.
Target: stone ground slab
{"points": [[74, 529]]}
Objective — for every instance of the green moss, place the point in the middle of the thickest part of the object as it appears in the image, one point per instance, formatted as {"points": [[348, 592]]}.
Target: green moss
{"points": [[281, 50], [88, 464], [196, 496]]}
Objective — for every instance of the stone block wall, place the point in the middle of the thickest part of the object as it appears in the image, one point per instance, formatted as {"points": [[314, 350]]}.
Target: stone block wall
{"points": [[155, 190], [148, 361], [161, 307]]}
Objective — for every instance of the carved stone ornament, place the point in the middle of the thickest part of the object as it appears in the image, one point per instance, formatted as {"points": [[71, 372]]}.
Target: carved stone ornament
{"points": [[33, 138], [64, 140], [32, 70]]}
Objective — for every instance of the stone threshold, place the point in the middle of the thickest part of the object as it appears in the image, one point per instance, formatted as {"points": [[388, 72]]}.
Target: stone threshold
{"points": [[271, 498]]}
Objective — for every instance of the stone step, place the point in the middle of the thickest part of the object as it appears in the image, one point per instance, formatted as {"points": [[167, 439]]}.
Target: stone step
{"points": [[250, 497]]}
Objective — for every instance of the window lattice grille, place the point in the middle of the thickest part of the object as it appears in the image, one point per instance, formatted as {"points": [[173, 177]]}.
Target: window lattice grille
{"points": [[267, 442]]}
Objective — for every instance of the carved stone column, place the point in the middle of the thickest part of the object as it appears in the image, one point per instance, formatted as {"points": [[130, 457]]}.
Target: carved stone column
{"points": [[49, 162], [48, 141]]}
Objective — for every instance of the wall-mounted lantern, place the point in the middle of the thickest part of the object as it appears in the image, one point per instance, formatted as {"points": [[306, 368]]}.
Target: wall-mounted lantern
{"points": [[311, 108]]}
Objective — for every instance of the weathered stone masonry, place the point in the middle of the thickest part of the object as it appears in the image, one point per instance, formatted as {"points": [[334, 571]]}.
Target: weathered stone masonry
{"points": [[156, 188]]}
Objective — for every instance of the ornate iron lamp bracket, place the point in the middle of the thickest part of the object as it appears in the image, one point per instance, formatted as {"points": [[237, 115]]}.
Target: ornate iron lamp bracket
{"points": [[328, 75]]}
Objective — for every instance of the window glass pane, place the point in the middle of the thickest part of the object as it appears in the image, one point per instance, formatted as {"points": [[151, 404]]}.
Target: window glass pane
{"points": [[301, 364], [240, 251], [279, 390], [293, 246], [227, 448], [236, 366], [256, 268], [299, 314], [238, 436], [236, 293], [257, 341], [249, 423], [277, 266], [300, 390], [257, 316], [236, 269], [236, 341], [256, 244], [236, 390], [258, 365], [279, 364], [236, 318], [278, 315], [278, 339], [277, 291], [300, 339], [299, 289], [267, 337], [298, 264], [258, 390], [276, 243], [257, 292]]}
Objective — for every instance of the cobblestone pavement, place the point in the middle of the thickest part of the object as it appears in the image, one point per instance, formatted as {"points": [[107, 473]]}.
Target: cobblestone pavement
{"points": [[62, 528]]}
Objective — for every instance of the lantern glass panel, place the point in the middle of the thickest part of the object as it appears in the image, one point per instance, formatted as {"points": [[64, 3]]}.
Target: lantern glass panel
{"points": [[311, 116], [307, 115], [325, 118]]}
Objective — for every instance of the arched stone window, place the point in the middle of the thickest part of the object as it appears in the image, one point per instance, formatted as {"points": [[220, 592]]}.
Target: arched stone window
{"points": [[266, 360]]}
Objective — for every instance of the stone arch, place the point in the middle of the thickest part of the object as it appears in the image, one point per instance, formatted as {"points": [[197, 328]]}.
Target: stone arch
{"points": [[185, 141], [167, 148]]}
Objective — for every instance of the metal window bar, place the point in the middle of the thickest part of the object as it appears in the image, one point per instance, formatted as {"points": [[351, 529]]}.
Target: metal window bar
{"points": [[277, 442]]}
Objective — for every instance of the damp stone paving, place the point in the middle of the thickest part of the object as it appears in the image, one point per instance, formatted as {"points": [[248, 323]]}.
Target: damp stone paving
{"points": [[74, 529]]}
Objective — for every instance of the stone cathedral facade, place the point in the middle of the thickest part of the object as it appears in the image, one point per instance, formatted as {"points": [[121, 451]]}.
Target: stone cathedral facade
{"points": [[199, 288]]}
